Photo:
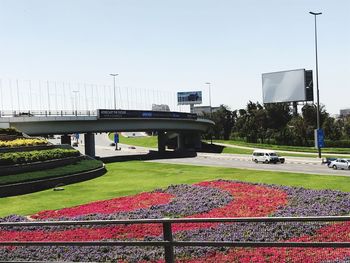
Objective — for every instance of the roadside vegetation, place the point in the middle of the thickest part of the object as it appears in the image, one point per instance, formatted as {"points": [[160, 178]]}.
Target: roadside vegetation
{"points": [[81, 166], [147, 141], [284, 147], [275, 124], [128, 178]]}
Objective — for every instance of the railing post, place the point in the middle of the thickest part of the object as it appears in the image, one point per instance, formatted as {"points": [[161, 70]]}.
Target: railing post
{"points": [[168, 248]]}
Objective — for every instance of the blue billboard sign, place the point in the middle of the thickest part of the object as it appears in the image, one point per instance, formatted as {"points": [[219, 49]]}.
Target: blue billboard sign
{"points": [[319, 138], [116, 137]]}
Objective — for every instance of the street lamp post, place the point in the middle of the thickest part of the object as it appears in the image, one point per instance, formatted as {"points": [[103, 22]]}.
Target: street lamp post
{"points": [[211, 110], [317, 86], [115, 99], [76, 101]]}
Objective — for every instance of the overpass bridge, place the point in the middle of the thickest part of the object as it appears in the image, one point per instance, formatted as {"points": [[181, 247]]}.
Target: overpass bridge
{"points": [[180, 129]]}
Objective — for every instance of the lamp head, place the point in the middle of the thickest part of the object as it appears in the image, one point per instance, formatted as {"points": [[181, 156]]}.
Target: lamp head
{"points": [[315, 14]]}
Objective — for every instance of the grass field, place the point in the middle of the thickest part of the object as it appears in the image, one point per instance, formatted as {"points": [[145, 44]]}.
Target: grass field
{"points": [[234, 150], [151, 142], [148, 142], [285, 147], [84, 165], [128, 178]]}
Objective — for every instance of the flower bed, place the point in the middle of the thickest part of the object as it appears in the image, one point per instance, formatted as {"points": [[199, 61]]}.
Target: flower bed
{"points": [[22, 142], [12, 158], [206, 199]]}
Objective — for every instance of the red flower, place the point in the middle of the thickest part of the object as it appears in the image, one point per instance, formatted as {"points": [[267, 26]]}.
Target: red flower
{"points": [[121, 204]]}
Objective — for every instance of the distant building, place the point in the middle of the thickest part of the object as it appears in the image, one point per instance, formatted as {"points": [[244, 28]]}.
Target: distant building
{"points": [[160, 107], [201, 110], [344, 113]]}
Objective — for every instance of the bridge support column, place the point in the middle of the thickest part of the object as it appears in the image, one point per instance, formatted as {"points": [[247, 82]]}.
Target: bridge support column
{"points": [[89, 140], [65, 139], [161, 141], [197, 141], [180, 142]]}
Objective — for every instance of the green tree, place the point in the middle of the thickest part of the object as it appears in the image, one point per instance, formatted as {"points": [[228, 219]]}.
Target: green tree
{"points": [[332, 128], [298, 130], [278, 116], [224, 120]]}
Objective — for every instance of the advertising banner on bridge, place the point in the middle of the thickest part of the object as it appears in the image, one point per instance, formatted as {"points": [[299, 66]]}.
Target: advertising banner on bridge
{"points": [[189, 97], [139, 114]]}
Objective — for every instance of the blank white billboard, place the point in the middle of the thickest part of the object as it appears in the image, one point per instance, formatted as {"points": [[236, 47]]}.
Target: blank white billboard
{"points": [[284, 86]]}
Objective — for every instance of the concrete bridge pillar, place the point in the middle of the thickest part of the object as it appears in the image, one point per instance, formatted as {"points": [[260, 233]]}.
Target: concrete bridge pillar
{"points": [[180, 142], [65, 139], [161, 141], [89, 141], [197, 141]]}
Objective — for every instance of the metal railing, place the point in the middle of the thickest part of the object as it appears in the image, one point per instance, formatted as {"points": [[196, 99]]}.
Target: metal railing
{"points": [[48, 113], [169, 243]]}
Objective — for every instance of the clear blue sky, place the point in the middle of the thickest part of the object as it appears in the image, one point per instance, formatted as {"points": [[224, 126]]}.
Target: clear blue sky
{"points": [[176, 45]]}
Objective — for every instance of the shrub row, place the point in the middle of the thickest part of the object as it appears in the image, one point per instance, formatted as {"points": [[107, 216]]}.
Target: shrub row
{"points": [[35, 156], [81, 166], [338, 143], [10, 131], [22, 143]]}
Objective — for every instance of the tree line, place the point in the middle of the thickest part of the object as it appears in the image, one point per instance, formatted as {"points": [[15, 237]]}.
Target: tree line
{"points": [[276, 124]]}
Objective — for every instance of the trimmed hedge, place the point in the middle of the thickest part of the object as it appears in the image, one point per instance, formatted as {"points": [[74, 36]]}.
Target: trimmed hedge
{"points": [[339, 143], [12, 158], [10, 131], [22, 142], [79, 167]]}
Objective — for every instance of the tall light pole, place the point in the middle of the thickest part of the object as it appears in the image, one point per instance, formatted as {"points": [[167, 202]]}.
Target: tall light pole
{"points": [[76, 101], [211, 110], [209, 86], [115, 102], [317, 86]]}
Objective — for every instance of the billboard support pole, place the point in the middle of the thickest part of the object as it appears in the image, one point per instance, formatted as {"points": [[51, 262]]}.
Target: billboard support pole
{"points": [[317, 90], [295, 108], [211, 110]]}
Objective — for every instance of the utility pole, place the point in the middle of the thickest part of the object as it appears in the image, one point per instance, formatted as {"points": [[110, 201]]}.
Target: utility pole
{"points": [[317, 86]]}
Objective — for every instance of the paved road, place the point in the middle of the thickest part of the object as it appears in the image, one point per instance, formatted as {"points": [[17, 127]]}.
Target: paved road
{"points": [[292, 164], [103, 147], [280, 151], [295, 165]]}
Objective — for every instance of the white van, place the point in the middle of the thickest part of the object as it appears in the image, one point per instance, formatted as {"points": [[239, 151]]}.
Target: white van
{"points": [[266, 156]]}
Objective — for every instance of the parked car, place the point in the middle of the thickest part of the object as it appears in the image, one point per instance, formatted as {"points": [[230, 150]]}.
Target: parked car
{"points": [[266, 156], [340, 164]]}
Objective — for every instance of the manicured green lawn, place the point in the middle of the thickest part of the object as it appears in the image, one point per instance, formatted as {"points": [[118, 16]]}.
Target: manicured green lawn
{"points": [[151, 142], [128, 178], [285, 147], [84, 165], [233, 150], [148, 142]]}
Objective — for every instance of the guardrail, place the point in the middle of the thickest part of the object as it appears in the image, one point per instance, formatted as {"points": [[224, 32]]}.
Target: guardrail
{"points": [[169, 243], [48, 113]]}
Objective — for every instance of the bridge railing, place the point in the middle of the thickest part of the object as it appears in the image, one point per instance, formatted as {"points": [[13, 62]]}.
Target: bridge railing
{"points": [[168, 242], [48, 113]]}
